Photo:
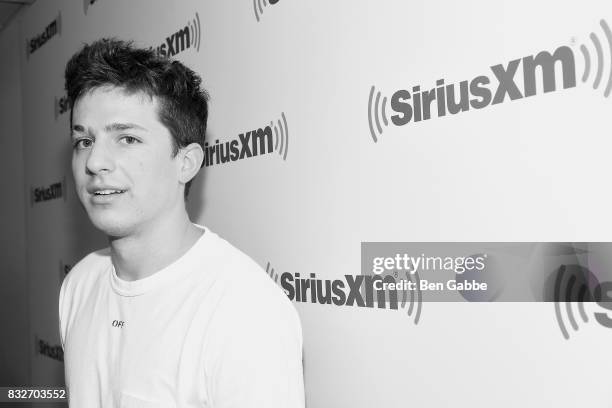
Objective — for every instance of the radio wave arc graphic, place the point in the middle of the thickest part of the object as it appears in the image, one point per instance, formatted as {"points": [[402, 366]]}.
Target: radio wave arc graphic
{"points": [[195, 30], [86, 4], [271, 273], [281, 136], [59, 23], [598, 58], [566, 291], [377, 113], [257, 5], [416, 298]]}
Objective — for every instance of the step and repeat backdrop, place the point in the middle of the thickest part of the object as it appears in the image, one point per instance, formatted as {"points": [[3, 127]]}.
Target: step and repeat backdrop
{"points": [[395, 121]]}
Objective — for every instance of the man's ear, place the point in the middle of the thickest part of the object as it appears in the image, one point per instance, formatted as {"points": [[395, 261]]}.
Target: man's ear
{"points": [[191, 158]]}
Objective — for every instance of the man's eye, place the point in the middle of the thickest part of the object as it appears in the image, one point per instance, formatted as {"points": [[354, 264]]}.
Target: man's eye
{"points": [[129, 139], [82, 143]]}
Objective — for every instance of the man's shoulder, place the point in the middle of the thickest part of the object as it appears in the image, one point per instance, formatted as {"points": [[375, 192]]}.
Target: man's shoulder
{"points": [[249, 290], [88, 269], [229, 260], [78, 285], [240, 271]]}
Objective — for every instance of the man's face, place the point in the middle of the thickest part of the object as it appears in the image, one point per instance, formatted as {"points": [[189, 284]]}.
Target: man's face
{"points": [[124, 174]]}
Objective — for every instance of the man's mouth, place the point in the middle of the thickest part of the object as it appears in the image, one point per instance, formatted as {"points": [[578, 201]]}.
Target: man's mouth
{"points": [[108, 192]]}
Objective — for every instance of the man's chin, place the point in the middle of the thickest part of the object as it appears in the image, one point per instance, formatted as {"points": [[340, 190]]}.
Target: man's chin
{"points": [[113, 227]]}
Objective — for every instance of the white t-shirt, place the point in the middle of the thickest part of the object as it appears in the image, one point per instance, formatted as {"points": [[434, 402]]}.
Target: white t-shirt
{"points": [[209, 330]]}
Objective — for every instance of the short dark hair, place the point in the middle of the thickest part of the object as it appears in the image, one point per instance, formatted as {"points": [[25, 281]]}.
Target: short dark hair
{"points": [[183, 103]]}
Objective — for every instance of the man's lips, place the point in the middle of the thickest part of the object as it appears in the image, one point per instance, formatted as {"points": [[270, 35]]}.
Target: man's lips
{"points": [[105, 190], [108, 192], [105, 197]]}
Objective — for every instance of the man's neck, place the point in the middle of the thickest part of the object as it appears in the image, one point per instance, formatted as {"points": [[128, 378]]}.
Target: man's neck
{"points": [[153, 248]]}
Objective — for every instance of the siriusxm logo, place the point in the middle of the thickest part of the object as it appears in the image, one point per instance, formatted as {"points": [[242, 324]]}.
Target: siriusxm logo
{"points": [[274, 137], [185, 38], [258, 6], [353, 290], [495, 87], [60, 106], [54, 28], [573, 284], [86, 4], [46, 193], [63, 269], [44, 348]]}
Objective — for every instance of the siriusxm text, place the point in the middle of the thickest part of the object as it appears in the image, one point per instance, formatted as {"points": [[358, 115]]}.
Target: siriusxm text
{"points": [[246, 145], [354, 290], [485, 90], [175, 43], [47, 193], [39, 40]]}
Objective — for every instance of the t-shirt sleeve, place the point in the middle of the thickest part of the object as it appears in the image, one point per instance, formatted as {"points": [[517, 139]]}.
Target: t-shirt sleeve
{"points": [[258, 361], [61, 313]]}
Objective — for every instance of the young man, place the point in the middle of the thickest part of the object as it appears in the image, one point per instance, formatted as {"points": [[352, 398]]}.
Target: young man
{"points": [[169, 315]]}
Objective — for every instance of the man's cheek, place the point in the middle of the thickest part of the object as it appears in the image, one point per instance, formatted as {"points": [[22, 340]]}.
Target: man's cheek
{"points": [[155, 178]]}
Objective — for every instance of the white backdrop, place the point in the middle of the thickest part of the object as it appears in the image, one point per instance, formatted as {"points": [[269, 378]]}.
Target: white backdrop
{"points": [[532, 169]]}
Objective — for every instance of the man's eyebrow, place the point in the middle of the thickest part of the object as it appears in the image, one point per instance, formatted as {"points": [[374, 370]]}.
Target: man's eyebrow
{"points": [[78, 129], [122, 126], [111, 127]]}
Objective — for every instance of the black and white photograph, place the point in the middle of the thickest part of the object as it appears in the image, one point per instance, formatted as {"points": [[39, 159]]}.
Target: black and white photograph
{"points": [[305, 204]]}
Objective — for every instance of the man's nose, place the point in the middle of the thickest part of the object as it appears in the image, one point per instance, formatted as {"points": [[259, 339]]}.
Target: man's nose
{"points": [[100, 159]]}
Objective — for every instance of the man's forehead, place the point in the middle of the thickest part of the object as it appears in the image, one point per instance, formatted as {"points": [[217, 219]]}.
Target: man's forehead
{"points": [[113, 98], [121, 91], [119, 105], [111, 127]]}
